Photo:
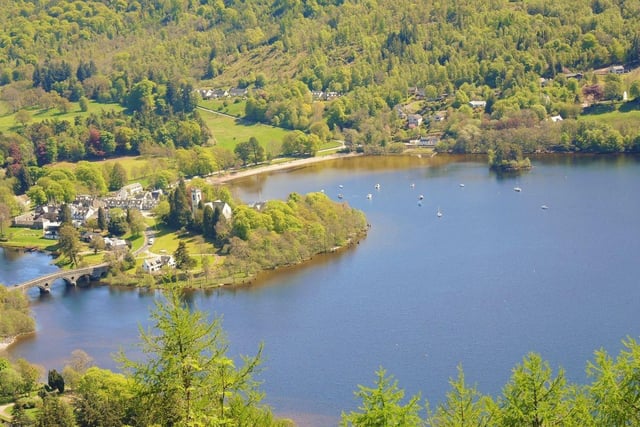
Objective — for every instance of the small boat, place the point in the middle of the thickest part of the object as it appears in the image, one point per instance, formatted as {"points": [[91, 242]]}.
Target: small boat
{"points": [[419, 203], [412, 185], [340, 186], [461, 185], [369, 196], [544, 207], [517, 189], [420, 197], [340, 196], [377, 186], [439, 213]]}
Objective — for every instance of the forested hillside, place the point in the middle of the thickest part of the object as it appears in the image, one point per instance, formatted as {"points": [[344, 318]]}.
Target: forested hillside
{"points": [[96, 79], [329, 44]]}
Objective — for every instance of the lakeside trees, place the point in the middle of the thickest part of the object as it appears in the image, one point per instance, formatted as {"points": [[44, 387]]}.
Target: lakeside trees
{"points": [[15, 316], [534, 396], [256, 238]]}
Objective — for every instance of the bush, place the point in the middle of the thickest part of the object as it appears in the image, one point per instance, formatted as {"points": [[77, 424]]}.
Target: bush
{"points": [[27, 402]]}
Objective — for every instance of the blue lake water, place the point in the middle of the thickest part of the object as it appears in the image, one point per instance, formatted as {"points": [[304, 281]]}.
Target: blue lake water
{"points": [[492, 279]]}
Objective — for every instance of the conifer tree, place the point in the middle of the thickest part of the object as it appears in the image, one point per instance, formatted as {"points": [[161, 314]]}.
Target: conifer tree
{"points": [[187, 377], [102, 219]]}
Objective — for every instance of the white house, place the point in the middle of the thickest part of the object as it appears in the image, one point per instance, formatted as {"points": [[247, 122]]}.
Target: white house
{"points": [[557, 118], [224, 207], [478, 104], [114, 244], [151, 265], [130, 190]]}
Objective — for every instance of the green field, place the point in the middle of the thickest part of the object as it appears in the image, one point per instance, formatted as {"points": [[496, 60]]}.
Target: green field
{"points": [[619, 116], [29, 238], [227, 132], [139, 168], [8, 121], [233, 107]]}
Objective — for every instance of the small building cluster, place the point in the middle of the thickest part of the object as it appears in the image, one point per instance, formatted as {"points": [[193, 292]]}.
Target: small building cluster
{"points": [[133, 196], [324, 96], [234, 92], [84, 207]]}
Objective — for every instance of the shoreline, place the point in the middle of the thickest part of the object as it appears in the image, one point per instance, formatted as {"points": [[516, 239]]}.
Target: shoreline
{"points": [[6, 342], [243, 173]]}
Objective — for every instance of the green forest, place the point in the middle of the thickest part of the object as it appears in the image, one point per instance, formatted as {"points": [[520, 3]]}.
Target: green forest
{"points": [[98, 79]]}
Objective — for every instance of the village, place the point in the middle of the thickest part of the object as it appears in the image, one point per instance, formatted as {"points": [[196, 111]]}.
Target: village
{"points": [[84, 212]]}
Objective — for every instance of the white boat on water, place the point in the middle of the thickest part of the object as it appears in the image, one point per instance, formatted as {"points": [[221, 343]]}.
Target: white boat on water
{"points": [[439, 213], [461, 185], [517, 189], [340, 196], [420, 197], [377, 186], [369, 196], [544, 207]]}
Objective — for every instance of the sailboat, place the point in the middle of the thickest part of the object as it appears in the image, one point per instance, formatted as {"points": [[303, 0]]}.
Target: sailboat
{"points": [[439, 213]]}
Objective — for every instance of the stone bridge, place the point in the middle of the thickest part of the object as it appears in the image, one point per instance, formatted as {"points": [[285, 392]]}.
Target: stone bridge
{"points": [[71, 277]]}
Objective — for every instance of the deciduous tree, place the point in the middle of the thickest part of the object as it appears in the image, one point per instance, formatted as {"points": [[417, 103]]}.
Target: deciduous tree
{"points": [[69, 242]]}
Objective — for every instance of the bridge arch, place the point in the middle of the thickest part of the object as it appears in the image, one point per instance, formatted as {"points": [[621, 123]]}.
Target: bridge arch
{"points": [[70, 277]]}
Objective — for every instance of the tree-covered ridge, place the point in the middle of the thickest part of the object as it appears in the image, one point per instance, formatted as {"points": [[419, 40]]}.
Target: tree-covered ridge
{"points": [[332, 45], [147, 55], [15, 315]]}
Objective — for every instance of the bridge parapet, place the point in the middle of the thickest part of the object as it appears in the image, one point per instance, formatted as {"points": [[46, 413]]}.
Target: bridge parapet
{"points": [[70, 277]]}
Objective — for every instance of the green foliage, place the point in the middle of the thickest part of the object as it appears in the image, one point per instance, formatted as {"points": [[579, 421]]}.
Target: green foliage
{"points": [[17, 378], [187, 377], [55, 412], [183, 260], [179, 207], [91, 176], [69, 242], [102, 219], [118, 224], [464, 406], [104, 398], [614, 389], [382, 406], [135, 222], [285, 233], [117, 177], [250, 151], [55, 381], [533, 397]]}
